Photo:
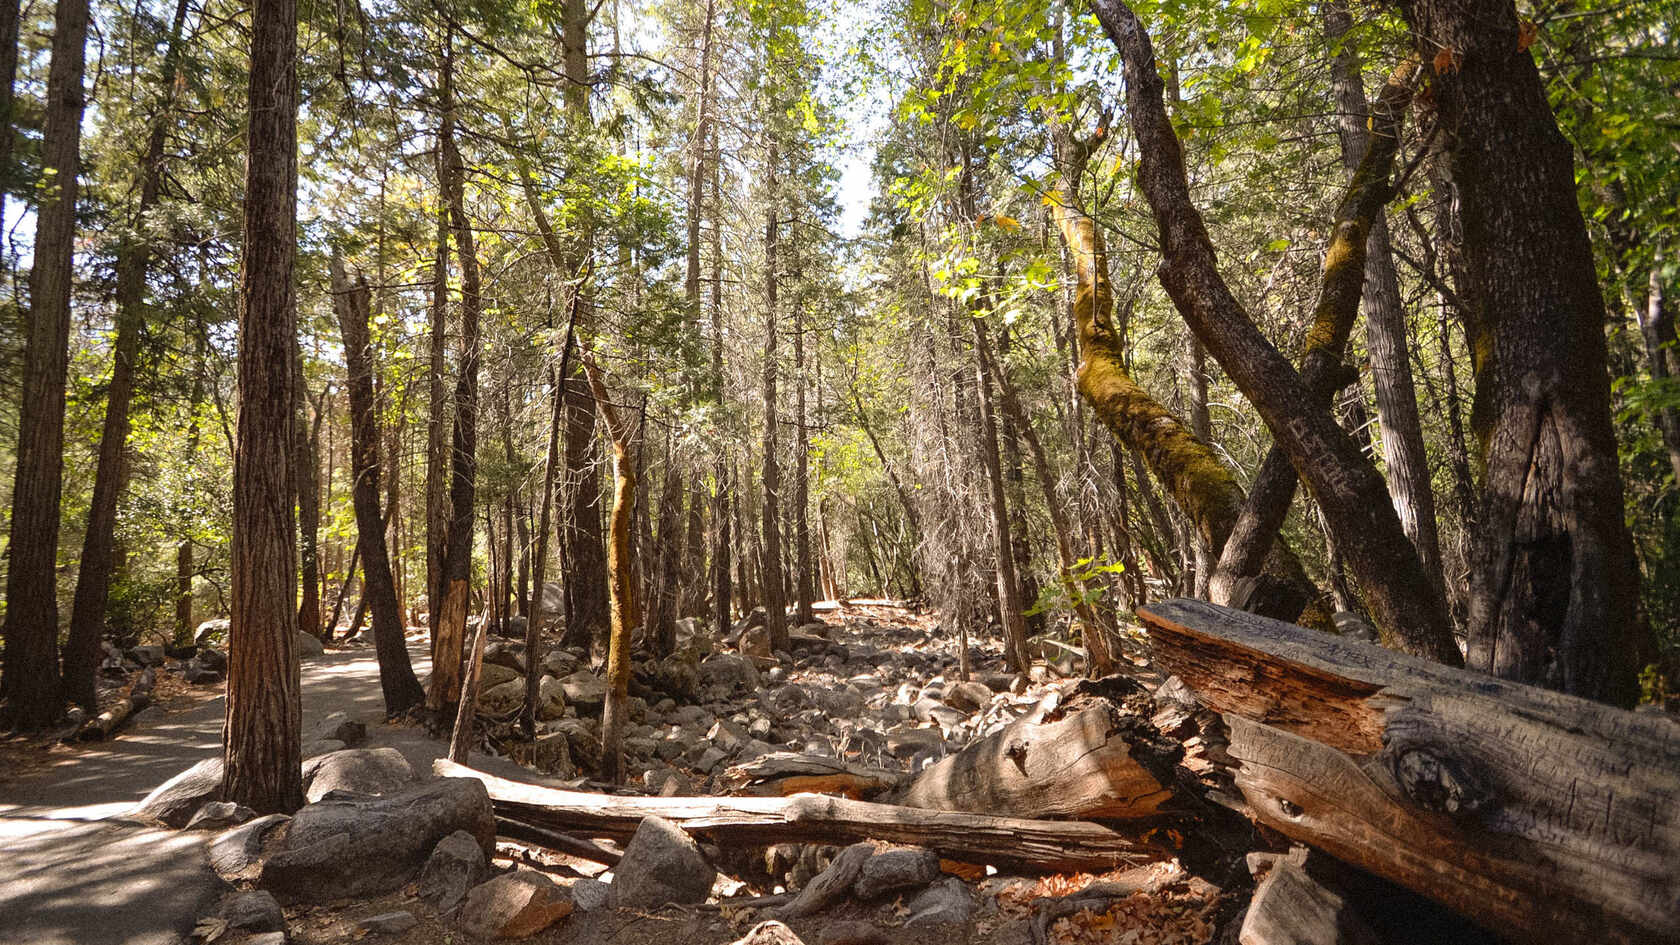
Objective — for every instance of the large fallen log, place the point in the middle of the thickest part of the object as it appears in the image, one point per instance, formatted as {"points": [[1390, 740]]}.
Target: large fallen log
{"points": [[1539, 815], [1006, 842], [1094, 762]]}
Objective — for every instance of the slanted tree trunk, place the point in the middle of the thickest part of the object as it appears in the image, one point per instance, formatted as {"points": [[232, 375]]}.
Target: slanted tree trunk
{"points": [[396, 676], [31, 678], [1323, 370], [1555, 588], [620, 568], [775, 603], [93, 577], [261, 757], [1409, 611], [1185, 465], [449, 630]]}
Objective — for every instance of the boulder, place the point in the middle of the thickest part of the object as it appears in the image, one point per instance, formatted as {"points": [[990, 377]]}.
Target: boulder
{"points": [[236, 852], [367, 846], [176, 800], [357, 771], [945, 901], [908, 742], [968, 696], [149, 655], [552, 755], [220, 815], [515, 905], [197, 675], [506, 655], [387, 923], [211, 658], [309, 647], [212, 632], [253, 912], [337, 726], [321, 746], [551, 698], [729, 671], [590, 894], [491, 675], [662, 865], [584, 689], [456, 865], [893, 870], [560, 663], [504, 697], [755, 642]]}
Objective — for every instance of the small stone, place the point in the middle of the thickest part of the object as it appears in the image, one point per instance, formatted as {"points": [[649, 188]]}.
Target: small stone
{"points": [[456, 865], [267, 938], [253, 912], [661, 865], [515, 905], [851, 932], [945, 901], [387, 923], [219, 815], [894, 870]]}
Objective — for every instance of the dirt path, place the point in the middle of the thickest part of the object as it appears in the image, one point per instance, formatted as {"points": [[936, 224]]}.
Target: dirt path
{"points": [[73, 872]]}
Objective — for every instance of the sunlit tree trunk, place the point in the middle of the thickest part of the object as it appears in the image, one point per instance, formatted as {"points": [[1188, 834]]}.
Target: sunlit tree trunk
{"points": [[775, 603], [621, 570], [261, 755]]}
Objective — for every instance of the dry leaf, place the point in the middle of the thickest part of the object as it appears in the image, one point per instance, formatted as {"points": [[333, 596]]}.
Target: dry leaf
{"points": [[1447, 60], [1527, 33]]}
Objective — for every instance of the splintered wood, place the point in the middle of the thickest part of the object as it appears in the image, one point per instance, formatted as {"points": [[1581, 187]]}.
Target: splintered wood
{"points": [[1538, 813]]}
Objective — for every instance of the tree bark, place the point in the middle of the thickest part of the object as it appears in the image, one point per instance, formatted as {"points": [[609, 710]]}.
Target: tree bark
{"points": [[93, 577], [31, 677], [1323, 371], [449, 627], [1555, 588], [1010, 606], [536, 617], [775, 604], [1408, 609], [401, 689], [620, 568], [261, 757], [306, 485]]}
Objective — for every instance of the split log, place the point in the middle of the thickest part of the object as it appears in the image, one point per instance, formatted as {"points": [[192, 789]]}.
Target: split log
{"points": [[1291, 907], [102, 725], [1007, 842], [1098, 762], [784, 772], [1539, 814]]}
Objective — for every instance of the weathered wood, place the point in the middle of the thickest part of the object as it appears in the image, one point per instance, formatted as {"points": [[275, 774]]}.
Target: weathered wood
{"points": [[783, 773], [1089, 764], [1536, 813], [807, 818], [1290, 907], [831, 885], [555, 840]]}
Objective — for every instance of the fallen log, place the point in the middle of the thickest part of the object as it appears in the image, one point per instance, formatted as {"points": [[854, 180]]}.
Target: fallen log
{"points": [[783, 773], [1007, 842], [1291, 907], [1096, 762], [1539, 815]]}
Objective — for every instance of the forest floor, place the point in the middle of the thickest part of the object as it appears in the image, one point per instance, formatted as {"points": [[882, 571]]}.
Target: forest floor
{"points": [[77, 873]]}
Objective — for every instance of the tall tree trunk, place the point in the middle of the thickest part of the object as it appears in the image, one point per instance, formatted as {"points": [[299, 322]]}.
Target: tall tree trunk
{"points": [[621, 569], [1662, 349], [551, 464], [31, 679], [184, 549], [1555, 588], [438, 417], [1404, 457], [93, 578], [396, 676], [261, 757], [775, 604], [1323, 369], [449, 630], [1010, 607], [305, 470], [802, 479], [1409, 611]]}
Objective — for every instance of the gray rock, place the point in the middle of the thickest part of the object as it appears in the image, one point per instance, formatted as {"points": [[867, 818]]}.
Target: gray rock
{"points": [[945, 901], [769, 932], [491, 675], [551, 698], [219, 815], [552, 754], [176, 800], [253, 912], [212, 632], [590, 894], [506, 655], [894, 870], [338, 726], [235, 853], [729, 671], [456, 865], [906, 743], [968, 696], [267, 938], [504, 697], [149, 655], [584, 689], [197, 675], [662, 865], [308, 647], [323, 746], [515, 905], [356, 770], [369, 846], [387, 923]]}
